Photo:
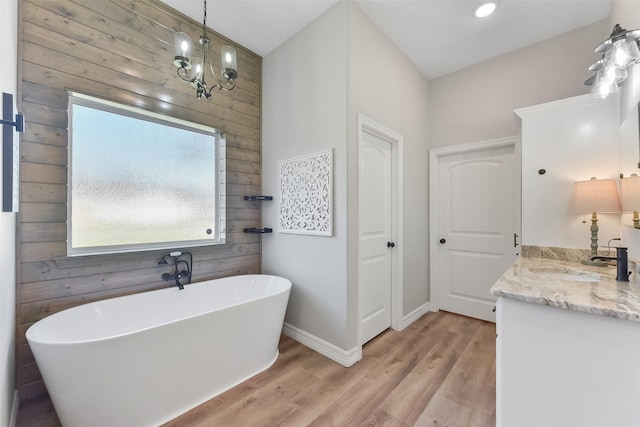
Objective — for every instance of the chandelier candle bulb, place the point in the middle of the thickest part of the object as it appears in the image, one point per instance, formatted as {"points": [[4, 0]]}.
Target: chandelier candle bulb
{"points": [[197, 69], [182, 45], [229, 66]]}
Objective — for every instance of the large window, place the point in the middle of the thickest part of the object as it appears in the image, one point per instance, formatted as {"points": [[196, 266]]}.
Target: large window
{"points": [[140, 180]]}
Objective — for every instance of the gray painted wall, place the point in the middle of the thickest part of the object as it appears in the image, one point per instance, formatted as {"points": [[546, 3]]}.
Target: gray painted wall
{"points": [[337, 67], [385, 86], [304, 112], [477, 103]]}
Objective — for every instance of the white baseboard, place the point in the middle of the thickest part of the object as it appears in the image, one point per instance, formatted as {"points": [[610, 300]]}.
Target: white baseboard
{"points": [[414, 315], [344, 357], [13, 418]]}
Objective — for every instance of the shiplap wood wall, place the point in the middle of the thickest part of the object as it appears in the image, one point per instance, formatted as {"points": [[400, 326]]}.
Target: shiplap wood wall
{"points": [[121, 50]]}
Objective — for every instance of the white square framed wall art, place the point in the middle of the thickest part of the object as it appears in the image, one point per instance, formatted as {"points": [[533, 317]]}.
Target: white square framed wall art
{"points": [[305, 194]]}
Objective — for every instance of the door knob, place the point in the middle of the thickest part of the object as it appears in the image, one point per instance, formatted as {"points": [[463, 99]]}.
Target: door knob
{"points": [[443, 240], [391, 245]]}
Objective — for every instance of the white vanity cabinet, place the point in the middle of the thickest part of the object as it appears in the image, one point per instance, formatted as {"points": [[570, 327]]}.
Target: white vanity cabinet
{"points": [[562, 368]]}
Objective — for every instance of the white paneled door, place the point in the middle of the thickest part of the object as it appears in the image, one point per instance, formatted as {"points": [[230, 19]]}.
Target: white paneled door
{"points": [[477, 209], [376, 245]]}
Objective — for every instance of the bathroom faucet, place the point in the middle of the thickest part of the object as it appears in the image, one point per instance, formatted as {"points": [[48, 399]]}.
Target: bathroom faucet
{"points": [[622, 263], [178, 275]]}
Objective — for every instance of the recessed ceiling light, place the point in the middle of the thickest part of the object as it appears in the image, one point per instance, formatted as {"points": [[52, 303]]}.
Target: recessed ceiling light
{"points": [[485, 9]]}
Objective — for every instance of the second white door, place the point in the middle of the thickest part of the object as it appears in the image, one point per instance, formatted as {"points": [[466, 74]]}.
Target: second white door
{"points": [[477, 225]]}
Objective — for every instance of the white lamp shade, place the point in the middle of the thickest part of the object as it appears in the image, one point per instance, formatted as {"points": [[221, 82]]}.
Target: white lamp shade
{"points": [[630, 188], [596, 195]]}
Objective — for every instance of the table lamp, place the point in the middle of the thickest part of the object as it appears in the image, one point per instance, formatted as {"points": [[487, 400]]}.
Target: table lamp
{"points": [[595, 195], [630, 188]]}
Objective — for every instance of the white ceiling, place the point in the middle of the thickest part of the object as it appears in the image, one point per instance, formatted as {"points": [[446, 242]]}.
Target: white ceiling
{"points": [[439, 36]]}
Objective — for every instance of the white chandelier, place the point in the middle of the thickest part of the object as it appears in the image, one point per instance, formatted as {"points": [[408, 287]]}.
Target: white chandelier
{"points": [[193, 70]]}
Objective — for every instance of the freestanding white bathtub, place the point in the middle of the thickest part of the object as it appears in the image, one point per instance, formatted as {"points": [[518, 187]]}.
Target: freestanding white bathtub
{"points": [[144, 359]]}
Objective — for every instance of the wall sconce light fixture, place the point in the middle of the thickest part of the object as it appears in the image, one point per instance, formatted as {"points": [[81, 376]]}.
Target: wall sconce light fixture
{"points": [[10, 157], [630, 189], [192, 70], [618, 52], [7, 114], [595, 195]]}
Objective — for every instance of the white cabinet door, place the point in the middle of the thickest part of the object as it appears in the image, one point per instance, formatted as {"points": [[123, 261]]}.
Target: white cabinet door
{"points": [[561, 368]]}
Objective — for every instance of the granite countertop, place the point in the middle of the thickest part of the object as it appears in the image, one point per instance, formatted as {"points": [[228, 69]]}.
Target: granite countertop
{"points": [[536, 280]]}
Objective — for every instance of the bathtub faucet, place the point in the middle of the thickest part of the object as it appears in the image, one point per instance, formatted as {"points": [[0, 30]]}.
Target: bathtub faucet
{"points": [[178, 275]]}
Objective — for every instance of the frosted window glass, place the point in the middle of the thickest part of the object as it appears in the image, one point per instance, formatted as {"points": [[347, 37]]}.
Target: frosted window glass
{"points": [[138, 184]]}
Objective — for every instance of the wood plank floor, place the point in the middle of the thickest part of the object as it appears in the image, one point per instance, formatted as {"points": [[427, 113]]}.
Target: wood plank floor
{"points": [[439, 371]]}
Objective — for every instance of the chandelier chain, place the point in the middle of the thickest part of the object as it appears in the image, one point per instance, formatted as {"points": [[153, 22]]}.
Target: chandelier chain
{"points": [[204, 21]]}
